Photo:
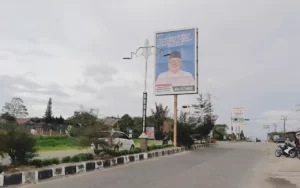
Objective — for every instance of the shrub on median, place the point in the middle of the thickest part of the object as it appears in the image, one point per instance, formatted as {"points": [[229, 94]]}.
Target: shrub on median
{"points": [[88, 156], [44, 162], [54, 161]]}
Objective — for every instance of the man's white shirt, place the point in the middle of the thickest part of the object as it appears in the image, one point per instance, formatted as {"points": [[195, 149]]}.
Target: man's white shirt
{"points": [[180, 78]]}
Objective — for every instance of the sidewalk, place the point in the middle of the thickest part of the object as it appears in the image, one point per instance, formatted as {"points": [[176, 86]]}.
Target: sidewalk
{"points": [[286, 171]]}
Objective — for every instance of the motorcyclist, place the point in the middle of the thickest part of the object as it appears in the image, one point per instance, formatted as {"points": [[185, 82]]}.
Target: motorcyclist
{"points": [[288, 143], [297, 143], [166, 138]]}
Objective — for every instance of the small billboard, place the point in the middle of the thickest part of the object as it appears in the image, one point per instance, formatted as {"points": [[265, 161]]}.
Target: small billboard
{"points": [[150, 132]]}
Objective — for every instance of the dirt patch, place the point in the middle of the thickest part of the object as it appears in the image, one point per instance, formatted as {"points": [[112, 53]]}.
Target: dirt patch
{"points": [[14, 169], [280, 183]]}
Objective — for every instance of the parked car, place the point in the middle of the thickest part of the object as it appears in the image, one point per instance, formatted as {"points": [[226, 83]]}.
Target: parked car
{"points": [[279, 140], [213, 140], [118, 139], [196, 138]]}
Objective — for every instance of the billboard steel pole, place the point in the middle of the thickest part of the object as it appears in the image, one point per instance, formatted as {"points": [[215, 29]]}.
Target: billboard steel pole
{"points": [[175, 121]]}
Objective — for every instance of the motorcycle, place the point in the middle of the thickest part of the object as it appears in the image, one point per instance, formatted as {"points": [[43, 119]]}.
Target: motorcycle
{"points": [[165, 140], [287, 150], [298, 152]]}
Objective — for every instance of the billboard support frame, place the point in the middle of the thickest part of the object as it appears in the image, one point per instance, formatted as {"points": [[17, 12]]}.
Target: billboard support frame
{"points": [[195, 74]]}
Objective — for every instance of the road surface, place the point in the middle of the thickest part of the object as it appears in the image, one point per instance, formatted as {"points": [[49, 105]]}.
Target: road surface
{"points": [[229, 165]]}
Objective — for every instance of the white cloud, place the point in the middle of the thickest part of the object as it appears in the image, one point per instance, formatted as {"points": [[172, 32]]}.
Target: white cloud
{"points": [[72, 51]]}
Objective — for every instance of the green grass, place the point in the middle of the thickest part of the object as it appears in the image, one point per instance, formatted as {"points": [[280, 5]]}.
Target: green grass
{"points": [[51, 143], [56, 143], [150, 142]]}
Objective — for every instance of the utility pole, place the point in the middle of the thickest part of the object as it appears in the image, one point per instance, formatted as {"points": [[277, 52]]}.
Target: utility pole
{"points": [[284, 118], [209, 102], [275, 127]]}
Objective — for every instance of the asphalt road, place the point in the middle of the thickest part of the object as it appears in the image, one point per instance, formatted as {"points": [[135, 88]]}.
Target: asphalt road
{"points": [[229, 165]]}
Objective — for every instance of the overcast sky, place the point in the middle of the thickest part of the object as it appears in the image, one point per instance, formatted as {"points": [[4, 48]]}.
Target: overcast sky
{"points": [[72, 50]]}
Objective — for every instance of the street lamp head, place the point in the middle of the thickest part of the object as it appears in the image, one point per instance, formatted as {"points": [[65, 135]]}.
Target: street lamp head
{"points": [[127, 58], [167, 55]]}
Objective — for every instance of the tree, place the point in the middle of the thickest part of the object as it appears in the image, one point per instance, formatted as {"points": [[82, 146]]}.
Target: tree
{"points": [[219, 131], [48, 114], [203, 117], [91, 134], [138, 125], [242, 136], [183, 135], [15, 108], [84, 118], [125, 123], [182, 117], [7, 117], [18, 144], [160, 115]]}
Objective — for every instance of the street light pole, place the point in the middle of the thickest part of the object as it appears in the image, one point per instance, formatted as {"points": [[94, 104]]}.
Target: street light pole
{"points": [[146, 53]]}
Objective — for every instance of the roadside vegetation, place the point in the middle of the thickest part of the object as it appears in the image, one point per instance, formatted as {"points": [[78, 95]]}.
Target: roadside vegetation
{"points": [[21, 145]]}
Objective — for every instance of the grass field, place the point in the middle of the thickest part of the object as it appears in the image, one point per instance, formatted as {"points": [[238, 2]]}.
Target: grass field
{"points": [[56, 143], [150, 142], [50, 143]]}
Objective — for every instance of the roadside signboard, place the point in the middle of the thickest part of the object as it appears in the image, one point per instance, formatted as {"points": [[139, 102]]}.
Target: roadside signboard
{"points": [[150, 132], [238, 117]]}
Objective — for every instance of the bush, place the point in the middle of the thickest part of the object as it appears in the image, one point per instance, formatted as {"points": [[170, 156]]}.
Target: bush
{"points": [[137, 150], [86, 156], [75, 158], [36, 162], [46, 162], [43, 162], [18, 144], [183, 136], [66, 159], [55, 161]]}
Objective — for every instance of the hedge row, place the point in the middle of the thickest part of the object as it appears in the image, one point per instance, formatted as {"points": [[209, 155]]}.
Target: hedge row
{"points": [[88, 156], [55, 161], [136, 150]]}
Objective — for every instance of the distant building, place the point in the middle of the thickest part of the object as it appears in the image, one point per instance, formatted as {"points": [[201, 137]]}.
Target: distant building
{"points": [[23, 121], [111, 121]]}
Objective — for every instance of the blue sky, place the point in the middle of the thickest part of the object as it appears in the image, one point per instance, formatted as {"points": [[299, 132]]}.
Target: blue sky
{"points": [[72, 51]]}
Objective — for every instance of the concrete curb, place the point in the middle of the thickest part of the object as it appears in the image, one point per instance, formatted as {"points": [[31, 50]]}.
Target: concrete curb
{"points": [[66, 169]]}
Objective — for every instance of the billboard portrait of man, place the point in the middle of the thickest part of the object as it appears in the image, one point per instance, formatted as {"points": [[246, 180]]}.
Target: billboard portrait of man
{"points": [[175, 76]]}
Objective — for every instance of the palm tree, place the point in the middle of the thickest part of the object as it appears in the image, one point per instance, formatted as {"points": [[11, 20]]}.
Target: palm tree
{"points": [[160, 115]]}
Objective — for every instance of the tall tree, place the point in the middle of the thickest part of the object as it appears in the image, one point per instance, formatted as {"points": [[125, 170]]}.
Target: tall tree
{"points": [[48, 114], [15, 108], [203, 116], [125, 123]]}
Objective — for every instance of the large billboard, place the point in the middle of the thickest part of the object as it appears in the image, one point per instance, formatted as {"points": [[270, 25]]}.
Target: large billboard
{"points": [[176, 66], [238, 117]]}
